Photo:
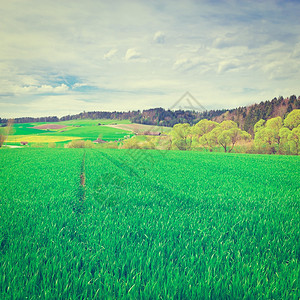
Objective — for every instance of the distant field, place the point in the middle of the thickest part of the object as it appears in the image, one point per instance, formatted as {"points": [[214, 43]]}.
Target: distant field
{"points": [[40, 138], [140, 128], [92, 132], [75, 129], [148, 225], [94, 122]]}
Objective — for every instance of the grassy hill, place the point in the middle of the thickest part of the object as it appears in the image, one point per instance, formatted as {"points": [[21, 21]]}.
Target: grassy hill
{"points": [[70, 130], [157, 118]]}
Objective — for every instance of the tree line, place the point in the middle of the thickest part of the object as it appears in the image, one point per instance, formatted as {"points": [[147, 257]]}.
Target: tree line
{"points": [[276, 135], [154, 116], [244, 117], [265, 110], [207, 134]]}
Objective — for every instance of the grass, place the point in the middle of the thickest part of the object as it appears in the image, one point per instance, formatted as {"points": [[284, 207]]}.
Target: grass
{"points": [[87, 122], [140, 128], [39, 138], [92, 132], [87, 130], [178, 225]]}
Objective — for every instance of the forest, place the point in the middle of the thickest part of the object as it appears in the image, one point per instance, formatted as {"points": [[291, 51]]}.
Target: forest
{"points": [[245, 117], [272, 136], [275, 135]]}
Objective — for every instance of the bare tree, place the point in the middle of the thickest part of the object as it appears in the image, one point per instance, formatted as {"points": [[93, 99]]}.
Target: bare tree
{"points": [[8, 129]]}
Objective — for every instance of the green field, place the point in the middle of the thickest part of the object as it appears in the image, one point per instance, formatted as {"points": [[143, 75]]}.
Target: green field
{"points": [[148, 225], [75, 129]]}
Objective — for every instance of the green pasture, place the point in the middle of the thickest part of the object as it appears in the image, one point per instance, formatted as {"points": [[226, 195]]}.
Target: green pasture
{"points": [[83, 129], [87, 122], [92, 132], [148, 225]]}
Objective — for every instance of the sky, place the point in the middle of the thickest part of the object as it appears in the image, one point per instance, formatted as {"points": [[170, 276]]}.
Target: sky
{"points": [[64, 57]]}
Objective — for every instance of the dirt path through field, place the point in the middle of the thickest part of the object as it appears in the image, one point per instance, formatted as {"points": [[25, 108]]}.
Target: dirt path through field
{"points": [[82, 179], [49, 126], [140, 127], [11, 146]]}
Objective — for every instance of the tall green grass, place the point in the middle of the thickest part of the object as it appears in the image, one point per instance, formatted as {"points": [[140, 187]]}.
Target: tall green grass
{"points": [[182, 225]]}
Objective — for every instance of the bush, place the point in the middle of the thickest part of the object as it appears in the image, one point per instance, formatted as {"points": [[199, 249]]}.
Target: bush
{"points": [[80, 144], [2, 139], [131, 143], [109, 145], [51, 145], [38, 145]]}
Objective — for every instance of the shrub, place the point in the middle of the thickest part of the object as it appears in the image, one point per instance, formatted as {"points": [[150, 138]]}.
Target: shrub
{"points": [[51, 145], [38, 145], [80, 144]]}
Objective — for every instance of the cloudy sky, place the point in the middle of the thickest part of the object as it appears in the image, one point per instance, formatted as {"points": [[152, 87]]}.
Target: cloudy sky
{"points": [[63, 57]]}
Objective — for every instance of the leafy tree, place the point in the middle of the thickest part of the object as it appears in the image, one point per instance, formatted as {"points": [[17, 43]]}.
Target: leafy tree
{"points": [[293, 119], [181, 136], [228, 138], [210, 139], [228, 124], [2, 139], [226, 134], [131, 143], [161, 142], [294, 140], [260, 124], [270, 135], [284, 147], [290, 135], [275, 124], [148, 143], [6, 131], [267, 137], [202, 127], [265, 140]]}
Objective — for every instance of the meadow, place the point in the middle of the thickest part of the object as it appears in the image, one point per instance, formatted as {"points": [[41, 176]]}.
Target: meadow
{"points": [[73, 130], [148, 225]]}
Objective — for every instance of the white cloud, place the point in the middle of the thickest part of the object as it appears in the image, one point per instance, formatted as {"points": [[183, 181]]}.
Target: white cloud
{"points": [[159, 37], [223, 42], [296, 52], [43, 89], [78, 85], [110, 54], [184, 63], [132, 54], [226, 66], [212, 50]]}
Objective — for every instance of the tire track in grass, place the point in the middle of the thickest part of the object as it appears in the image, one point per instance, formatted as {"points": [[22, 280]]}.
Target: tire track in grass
{"points": [[78, 206], [82, 178], [122, 164], [184, 201]]}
